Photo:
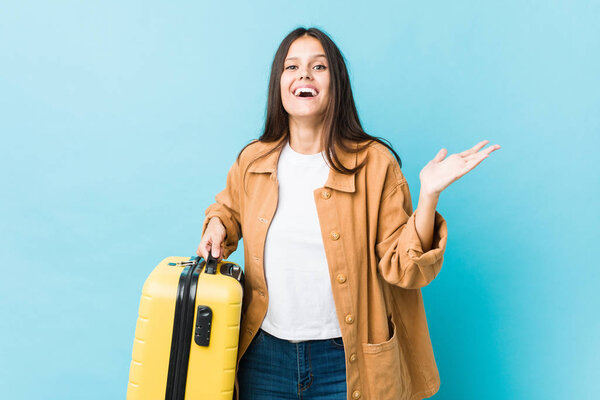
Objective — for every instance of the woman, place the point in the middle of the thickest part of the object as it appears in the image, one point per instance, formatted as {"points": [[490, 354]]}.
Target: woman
{"points": [[328, 227]]}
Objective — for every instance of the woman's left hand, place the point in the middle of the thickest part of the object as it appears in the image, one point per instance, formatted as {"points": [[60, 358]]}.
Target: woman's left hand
{"points": [[439, 173]]}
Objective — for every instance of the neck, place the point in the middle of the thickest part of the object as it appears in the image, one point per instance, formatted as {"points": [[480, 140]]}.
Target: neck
{"points": [[306, 135]]}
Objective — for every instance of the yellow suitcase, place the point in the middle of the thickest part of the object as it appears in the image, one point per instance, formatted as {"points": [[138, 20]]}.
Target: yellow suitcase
{"points": [[187, 332]]}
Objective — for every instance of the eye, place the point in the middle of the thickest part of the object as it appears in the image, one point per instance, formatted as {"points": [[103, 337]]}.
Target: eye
{"points": [[320, 65]]}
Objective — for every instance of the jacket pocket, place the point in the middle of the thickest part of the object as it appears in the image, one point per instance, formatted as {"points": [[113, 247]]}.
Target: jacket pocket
{"points": [[384, 369]]}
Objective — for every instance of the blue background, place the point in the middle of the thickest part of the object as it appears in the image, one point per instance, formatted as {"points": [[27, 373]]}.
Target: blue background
{"points": [[120, 120]]}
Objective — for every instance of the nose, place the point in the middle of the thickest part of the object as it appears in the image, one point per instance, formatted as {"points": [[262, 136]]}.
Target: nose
{"points": [[305, 73]]}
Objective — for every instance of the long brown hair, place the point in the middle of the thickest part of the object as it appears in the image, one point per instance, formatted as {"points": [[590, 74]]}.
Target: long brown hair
{"points": [[341, 122]]}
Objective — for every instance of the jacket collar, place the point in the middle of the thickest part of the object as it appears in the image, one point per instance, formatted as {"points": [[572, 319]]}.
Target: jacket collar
{"points": [[335, 180]]}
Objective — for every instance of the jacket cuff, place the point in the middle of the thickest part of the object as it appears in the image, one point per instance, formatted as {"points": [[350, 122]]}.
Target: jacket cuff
{"points": [[414, 249]]}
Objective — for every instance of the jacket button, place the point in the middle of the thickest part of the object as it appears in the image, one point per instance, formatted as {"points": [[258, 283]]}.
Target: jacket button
{"points": [[325, 194], [356, 394], [352, 357], [263, 220], [341, 278], [334, 235], [349, 319]]}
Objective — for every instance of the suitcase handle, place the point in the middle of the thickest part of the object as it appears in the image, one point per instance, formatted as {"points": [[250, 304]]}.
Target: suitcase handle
{"points": [[211, 264]]}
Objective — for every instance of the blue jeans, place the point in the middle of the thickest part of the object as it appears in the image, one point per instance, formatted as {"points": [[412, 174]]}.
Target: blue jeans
{"points": [[276, 369]]}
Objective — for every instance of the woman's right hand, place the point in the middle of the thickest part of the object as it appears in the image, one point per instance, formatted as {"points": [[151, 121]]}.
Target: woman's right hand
{"points": [[213, 239]]}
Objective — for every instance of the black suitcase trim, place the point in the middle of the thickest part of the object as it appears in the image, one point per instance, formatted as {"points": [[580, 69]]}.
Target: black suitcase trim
{"points": [[182, 332], [183, 320]]}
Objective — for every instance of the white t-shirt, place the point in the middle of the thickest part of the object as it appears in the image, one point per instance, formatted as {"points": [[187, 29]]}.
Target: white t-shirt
{"points": [[301, 305]]}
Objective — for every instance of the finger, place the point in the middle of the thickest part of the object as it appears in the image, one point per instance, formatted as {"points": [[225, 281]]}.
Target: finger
{"points": [[201, 251], [492, 148], [486, 152], [474, 149], [205, 246], [440, 155], [215, 251]]}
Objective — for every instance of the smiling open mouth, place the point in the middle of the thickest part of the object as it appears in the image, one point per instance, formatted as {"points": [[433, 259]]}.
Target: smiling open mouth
{"points": [[306, 92]]}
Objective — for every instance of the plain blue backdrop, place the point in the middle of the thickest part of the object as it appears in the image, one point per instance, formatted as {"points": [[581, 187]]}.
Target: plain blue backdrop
{"points": [[120, 120]]}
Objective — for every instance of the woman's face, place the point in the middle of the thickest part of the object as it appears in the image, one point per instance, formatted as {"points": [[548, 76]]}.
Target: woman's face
{"points": [[305, 66]]}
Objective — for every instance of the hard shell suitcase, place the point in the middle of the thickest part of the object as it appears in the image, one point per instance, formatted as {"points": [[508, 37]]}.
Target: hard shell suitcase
{"points": [[187, 332]]}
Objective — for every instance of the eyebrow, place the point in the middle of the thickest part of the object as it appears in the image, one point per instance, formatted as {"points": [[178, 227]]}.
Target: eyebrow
{"points": [[314, 56]]}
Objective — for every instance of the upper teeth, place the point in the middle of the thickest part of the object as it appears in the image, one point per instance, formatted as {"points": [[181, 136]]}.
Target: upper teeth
{"points": [[300, 90]]}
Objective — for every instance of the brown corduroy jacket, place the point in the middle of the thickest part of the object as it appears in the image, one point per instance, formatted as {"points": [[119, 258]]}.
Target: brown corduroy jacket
{"points": [[376, 264]]}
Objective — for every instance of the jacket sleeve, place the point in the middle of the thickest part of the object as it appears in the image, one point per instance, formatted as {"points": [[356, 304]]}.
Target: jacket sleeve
{"points": [[227, 208], [401, 260]]}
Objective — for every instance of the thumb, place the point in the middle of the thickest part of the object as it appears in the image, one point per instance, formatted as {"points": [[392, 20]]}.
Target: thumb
{"points": [[440, 155]]}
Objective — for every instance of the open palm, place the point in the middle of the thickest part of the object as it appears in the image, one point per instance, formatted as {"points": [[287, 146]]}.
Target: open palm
{"points": [[439, 173]]}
